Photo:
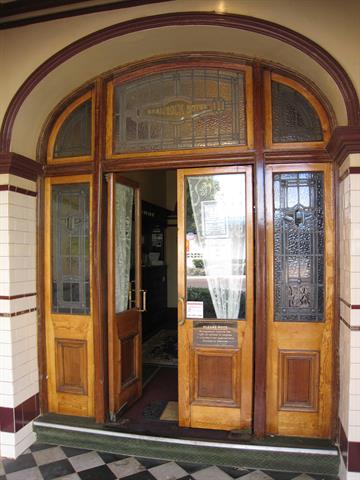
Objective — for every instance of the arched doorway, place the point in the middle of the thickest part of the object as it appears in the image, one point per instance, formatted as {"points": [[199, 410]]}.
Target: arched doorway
{"points": [[219, 117]]}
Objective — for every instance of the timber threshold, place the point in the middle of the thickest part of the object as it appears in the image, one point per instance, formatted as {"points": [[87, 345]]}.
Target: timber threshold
{"points": [[85, 433]]}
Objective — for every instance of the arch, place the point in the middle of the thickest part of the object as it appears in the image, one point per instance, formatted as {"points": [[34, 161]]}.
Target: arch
{"points": [[233, 21]]}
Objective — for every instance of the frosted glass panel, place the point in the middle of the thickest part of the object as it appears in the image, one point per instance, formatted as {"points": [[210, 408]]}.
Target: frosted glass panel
{"points": [[180, 109], [216, 246], [74, 136], [124, 199]]}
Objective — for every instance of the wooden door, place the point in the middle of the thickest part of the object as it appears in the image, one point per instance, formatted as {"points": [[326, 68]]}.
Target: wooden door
{"points": [[68, 305], [300, 260], [215, 287], [124, 282]]}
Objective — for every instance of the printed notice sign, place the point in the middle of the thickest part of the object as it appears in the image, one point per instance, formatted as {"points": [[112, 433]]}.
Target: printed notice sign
{"points": [[215, 334], [214, 219], [194, 310]]}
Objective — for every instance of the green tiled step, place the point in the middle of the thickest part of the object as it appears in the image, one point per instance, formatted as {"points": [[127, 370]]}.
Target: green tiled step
{"points": [[319, 461]]}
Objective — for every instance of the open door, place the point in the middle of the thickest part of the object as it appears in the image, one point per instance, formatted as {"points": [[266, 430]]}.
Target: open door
{"points": [[215, 287], [125, 299]]}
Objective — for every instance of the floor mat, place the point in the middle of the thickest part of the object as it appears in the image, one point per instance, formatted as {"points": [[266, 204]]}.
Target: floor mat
{"points": [[171, 412], [161, 349]]}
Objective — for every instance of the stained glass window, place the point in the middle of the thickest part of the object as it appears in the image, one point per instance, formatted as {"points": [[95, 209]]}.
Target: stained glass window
{"points": [[180, 109], [299, 240], [74, 136], [293, 117], [70, 249]]}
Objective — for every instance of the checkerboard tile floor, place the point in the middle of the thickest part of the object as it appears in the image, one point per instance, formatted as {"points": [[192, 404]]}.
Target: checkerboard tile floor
{"points": [[45, 462]]}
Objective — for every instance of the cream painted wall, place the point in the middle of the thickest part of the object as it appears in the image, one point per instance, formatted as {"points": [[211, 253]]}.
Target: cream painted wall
{"points": [[331, 23], [152, 184]]}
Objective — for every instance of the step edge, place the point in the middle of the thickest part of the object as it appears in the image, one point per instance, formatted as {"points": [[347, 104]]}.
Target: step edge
{"points": [[198, 443]]}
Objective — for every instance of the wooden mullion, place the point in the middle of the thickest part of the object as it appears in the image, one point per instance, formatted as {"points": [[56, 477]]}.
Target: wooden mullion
{"points": [[99, 257], [260, 260]]}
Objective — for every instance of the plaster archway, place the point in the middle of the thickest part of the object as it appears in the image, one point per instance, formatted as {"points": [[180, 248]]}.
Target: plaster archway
{"points": [[165, 34]]}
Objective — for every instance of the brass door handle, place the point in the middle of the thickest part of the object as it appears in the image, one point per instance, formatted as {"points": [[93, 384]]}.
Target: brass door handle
{"points": [[181, 313], [143, 301]]}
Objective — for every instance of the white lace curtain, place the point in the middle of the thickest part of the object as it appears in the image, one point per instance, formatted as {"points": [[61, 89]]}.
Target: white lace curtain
{"points": [[124, 197], [218, 205]]}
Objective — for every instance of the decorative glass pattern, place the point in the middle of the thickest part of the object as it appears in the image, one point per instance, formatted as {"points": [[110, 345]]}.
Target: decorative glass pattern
{"points": [[74, 136], [299, 240], [216, 246], [293, 117], [70, 249], [124, 247], [180, 109]]}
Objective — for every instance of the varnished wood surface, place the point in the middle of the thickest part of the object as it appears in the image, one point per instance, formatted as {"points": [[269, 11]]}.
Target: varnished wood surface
{"points": [[196, 409], [63, 332], [305, 338], [124, 328]]}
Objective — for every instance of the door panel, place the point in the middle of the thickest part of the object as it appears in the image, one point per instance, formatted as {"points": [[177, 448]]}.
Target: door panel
{"points": [[300, 240], [68, 310], [124, 280], [215, 284]]}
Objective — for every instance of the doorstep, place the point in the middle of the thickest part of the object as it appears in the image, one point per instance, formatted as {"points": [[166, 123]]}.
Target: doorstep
{"points": [[311, 456]]}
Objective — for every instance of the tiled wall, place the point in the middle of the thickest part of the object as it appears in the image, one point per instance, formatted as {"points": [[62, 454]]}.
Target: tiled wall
{"points": [[349, 343], [19, 384]]}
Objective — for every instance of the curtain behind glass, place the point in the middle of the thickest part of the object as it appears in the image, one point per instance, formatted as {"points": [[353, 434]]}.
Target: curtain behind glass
{"points": [[218, 205], [124, 198]]}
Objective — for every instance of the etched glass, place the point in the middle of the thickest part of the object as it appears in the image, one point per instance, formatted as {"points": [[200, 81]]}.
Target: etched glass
{"points": [[180, 109], [299, 242], [74, 136], [124, 199], [216, 246], [293, 117], [70, 249]]}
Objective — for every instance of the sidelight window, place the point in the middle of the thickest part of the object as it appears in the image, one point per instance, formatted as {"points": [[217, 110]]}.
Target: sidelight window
{"points": [[299, 243]]}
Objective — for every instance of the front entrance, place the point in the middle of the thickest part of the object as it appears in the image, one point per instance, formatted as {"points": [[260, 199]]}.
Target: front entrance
{"points": [[216, 289], [253, 296], [215, 272]]}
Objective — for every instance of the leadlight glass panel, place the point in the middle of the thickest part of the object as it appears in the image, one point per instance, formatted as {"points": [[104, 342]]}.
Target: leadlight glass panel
{"points": [[70, 249], [293, 117], [74, 136], [299, 242], [180, 109]]}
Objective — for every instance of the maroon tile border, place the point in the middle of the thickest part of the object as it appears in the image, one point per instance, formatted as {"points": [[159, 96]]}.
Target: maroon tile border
{"points": [[354, 457], [12, 188], [15, 314], [13, 419], [343, 444], [15, 297], [350, 305], [353, 328], [350, 451]]}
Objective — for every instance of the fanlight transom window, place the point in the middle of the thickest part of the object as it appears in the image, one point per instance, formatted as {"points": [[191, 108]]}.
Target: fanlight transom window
{"points": [[189, 108]]}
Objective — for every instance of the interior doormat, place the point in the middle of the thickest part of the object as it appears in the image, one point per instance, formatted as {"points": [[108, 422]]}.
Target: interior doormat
{"points": [[171, 412], [153, 410], [161, 349]]}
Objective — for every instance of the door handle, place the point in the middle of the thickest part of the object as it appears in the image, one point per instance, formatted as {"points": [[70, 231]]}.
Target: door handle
{"points": [[143, 301], [181, 314]]}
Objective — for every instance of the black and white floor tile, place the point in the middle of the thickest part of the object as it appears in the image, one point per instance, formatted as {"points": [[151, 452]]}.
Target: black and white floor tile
{"points": [[46, 462]]}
